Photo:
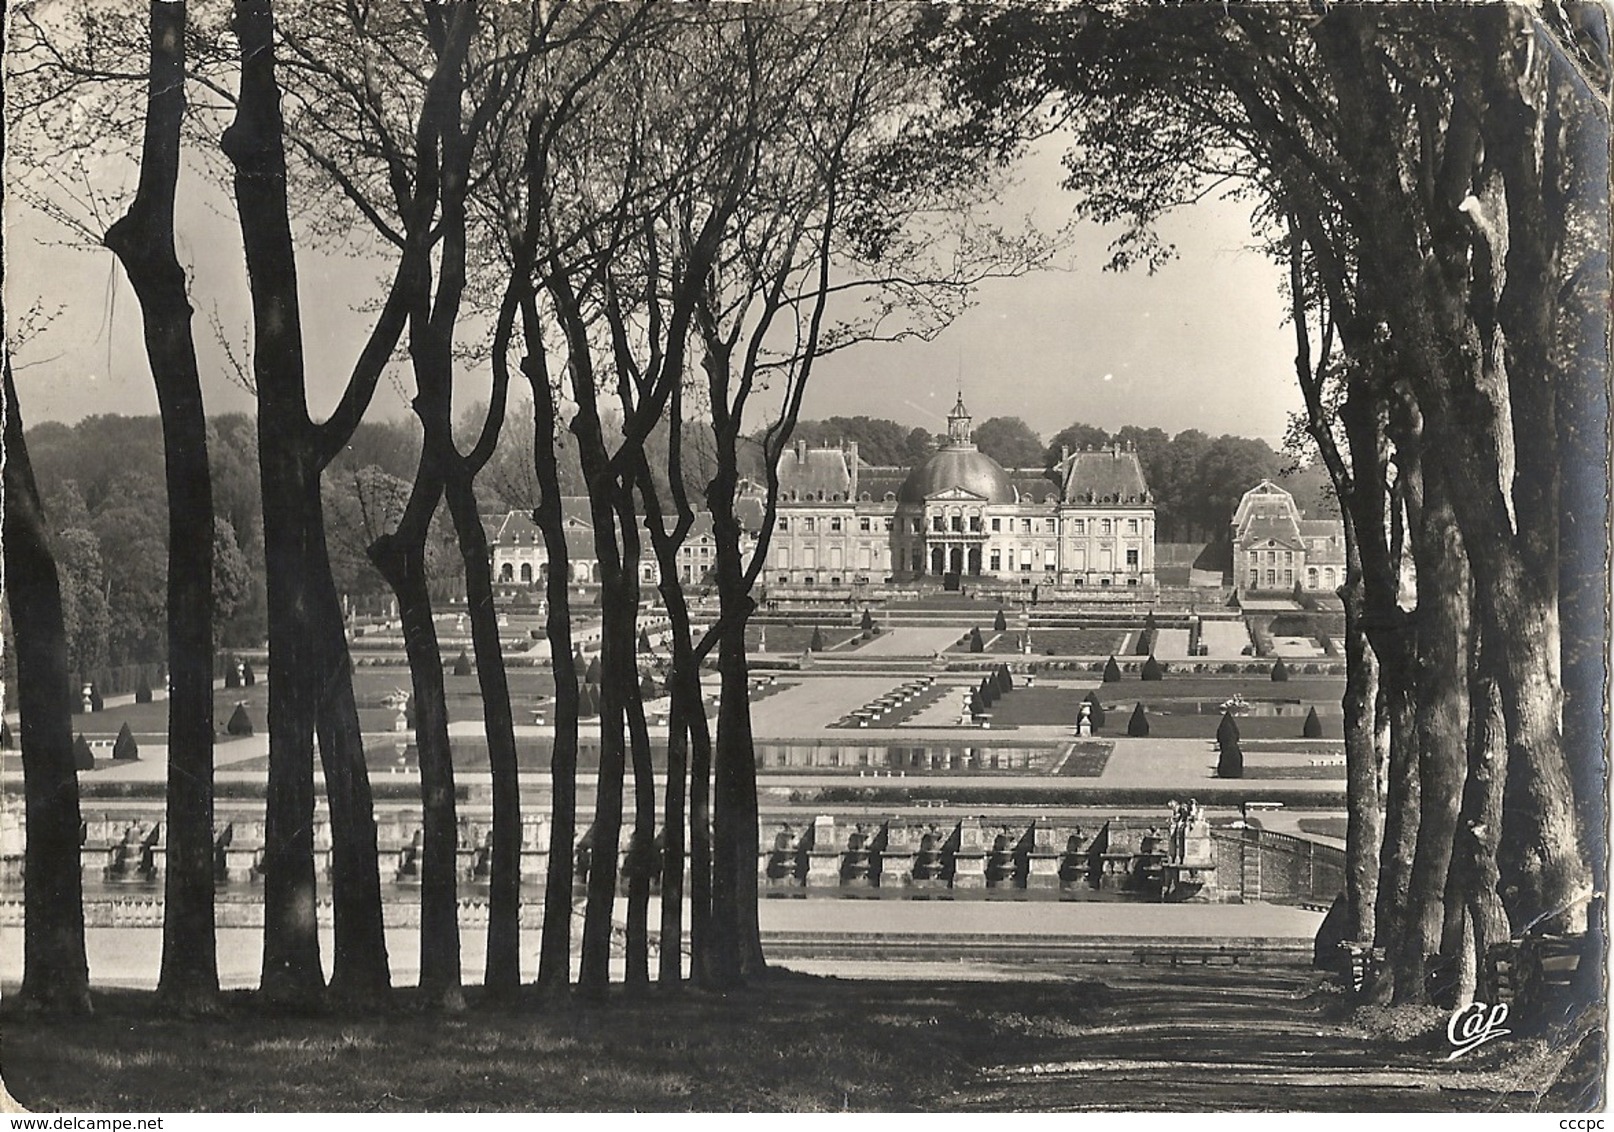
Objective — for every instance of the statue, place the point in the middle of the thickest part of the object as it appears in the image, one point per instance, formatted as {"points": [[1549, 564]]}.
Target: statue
{"points": [[398, 701]]}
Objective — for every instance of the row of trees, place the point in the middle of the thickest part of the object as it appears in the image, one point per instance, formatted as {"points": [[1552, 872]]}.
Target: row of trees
{"points": [[1435, 184], [658, 217]]}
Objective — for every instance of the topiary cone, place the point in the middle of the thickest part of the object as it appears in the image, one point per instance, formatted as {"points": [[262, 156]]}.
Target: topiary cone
{"points": [[1313, 728], [1230, 763], [1097, 714], [125, 746], [1005, 678], [1152, 669], [462, 664], [232, 674], [999, 622], [868, 621], [96, 703], [83, 757], [1280, 671], [817, 643], [592, 676], [1228, 732], [248, 677], [1112, 672], [143, 689], [976, 643], [1138, 725], [240, 722], [644, 641]]}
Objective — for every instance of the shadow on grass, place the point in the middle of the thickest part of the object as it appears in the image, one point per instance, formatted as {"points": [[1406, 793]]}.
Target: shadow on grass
{"points": [[791, 1043]]}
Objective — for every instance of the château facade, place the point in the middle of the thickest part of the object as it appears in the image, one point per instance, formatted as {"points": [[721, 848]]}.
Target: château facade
{"points": [[959, 515], [1275, 546], [520, 557]]}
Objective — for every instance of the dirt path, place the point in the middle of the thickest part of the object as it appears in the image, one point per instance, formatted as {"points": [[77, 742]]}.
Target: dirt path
{"points": [[1221, 1039]]}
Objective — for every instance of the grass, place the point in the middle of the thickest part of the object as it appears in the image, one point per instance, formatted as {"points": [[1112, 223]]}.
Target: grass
{"points": [[1056, 642], [370, 687], [793, 1043], [1047, 705], [797, 638]]}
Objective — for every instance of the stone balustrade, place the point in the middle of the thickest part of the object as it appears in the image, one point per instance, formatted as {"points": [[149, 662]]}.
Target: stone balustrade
{"points": [[822, 854]]}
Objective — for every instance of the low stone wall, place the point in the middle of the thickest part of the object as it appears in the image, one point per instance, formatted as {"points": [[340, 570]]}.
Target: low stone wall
{"points": [[124, 858]]}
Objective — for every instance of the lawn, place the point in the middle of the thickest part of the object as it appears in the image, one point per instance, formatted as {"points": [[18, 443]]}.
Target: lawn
{"points": [[1051, 642], [796, 638], [794, 1043], [371, 686], [1171, 714]]}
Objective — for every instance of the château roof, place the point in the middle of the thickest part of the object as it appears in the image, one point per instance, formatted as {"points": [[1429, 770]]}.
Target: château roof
{"points": [[1109, 475], [815, 473], [956, 468]]}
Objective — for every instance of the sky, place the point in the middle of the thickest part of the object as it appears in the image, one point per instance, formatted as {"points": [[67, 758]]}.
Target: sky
{"points": [[1199, 344]]}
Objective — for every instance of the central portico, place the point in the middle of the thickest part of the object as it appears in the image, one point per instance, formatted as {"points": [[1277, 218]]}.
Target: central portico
{"points": [[958, 514]]}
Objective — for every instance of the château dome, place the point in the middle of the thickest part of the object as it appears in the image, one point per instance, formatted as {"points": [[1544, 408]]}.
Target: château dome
{"points": [[958, 466]]}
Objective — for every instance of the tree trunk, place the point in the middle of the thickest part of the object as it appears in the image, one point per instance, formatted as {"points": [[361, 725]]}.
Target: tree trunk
{"points": [[292, 976], [555, 942], [55, 972], [1475, 919], [736, 937], [360, 972], [143, 241], [1443, 615], [641, 848], [680, 726], [641, 844], [1396, 676], [503, 972], [595, 976], [1364, 828], [400, 558]]}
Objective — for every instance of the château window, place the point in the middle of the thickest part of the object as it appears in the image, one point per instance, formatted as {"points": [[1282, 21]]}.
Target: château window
{"points": [[997, 524], [810, 523]]}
